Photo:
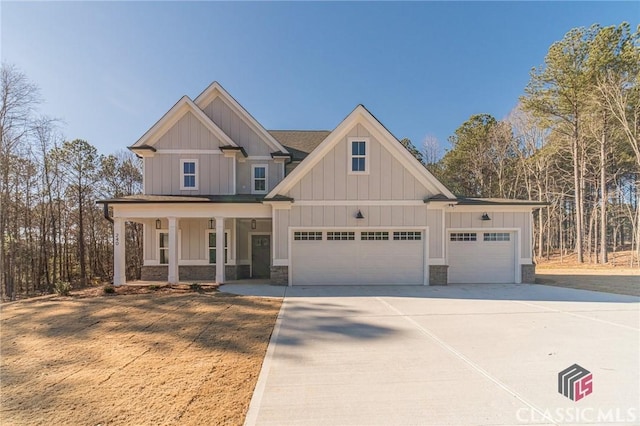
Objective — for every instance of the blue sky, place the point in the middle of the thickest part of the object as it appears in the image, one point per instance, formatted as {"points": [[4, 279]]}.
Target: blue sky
{"points": [[109, 70]]}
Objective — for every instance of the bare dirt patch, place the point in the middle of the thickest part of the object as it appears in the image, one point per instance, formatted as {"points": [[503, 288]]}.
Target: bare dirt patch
{"points": [[165, 358], [618, 281]]}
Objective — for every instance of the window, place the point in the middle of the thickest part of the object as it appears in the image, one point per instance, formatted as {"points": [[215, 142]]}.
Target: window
{"points": [[358, 156], [189, 174], [163, 239], [407, 236], [307, 236], [374, 236], [212, 247], [259, 179], [341, 236], [463, 236], [497, 236]]}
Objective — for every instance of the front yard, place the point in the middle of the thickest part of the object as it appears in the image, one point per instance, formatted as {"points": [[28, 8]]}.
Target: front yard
{"points": [[190, 358]]}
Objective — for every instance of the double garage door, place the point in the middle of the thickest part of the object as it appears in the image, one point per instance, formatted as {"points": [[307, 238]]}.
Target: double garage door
{"points": [[481, 257], [358, 257]]}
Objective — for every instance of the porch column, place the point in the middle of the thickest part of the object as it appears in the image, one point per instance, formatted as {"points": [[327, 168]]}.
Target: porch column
{"points": [[220, 250], [119, 263], [173, 251]]}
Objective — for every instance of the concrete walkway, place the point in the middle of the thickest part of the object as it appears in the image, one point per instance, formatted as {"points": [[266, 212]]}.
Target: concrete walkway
{"points": [[456, 355]]}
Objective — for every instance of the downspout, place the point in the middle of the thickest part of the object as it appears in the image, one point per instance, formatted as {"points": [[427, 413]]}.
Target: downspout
{"points": [[106, 212]]}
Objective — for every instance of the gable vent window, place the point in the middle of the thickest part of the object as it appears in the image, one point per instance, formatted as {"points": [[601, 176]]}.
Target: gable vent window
{"points": [[189, 174], [463, 236], [497, 236], [307, 236], [407, 236], [358, 156], [374, 236], [341, 236], [259, 179]]}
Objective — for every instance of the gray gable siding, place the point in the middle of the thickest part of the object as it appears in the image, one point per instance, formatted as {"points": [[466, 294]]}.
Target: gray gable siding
{"points": [[387, 179], [188, 133]]}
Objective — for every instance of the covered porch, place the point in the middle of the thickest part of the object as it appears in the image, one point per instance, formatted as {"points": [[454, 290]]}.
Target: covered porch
{"points": [[186, 238]]}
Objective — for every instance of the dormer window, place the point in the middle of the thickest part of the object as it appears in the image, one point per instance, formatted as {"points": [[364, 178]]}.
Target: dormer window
{"points": [[188, 174], [358, 156], [259, 179]]}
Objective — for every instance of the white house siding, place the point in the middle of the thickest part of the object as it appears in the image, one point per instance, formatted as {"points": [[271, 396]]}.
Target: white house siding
{"points": [[387, 178], [230, 123], [193, 241], [344, 216], [244, 178], [162, 174], [499, 219]]}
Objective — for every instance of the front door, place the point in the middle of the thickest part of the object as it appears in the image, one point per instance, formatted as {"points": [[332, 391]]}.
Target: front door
{"points": [[260, 256]]}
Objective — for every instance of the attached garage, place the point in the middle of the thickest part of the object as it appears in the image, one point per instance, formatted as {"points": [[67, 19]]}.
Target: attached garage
{"points": [[481, 257], [358, 257]]}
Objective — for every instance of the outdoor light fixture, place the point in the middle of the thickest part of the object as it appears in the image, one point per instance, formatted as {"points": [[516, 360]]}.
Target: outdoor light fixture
{"points": [[254, 224], [158, 224], [485, 216], [359, 215], [211, 223]]}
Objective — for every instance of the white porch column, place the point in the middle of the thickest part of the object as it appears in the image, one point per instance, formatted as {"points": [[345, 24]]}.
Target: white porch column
{"points": [[220, 250], [119, 263], [173, 251]]}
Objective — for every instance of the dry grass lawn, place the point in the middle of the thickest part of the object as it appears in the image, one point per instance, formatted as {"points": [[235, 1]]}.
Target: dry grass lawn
{"points": [[150, 359]]}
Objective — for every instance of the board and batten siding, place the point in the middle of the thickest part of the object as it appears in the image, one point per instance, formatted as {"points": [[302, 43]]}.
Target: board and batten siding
{"points": [[235, 127], [188, 133], [344, 216], [162, 174], [193, 243], [387, 179], [244, 178], [499, 219]]}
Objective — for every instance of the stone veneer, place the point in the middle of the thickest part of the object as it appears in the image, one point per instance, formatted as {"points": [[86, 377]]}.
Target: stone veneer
{"points": [[280, 275], [206, 273], [528, 273], [438, 274]]}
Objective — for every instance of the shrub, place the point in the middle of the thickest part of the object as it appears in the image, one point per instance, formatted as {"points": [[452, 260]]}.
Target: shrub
{"points": [[109, 289], [154, 287], [62, 288], [195, 287]]}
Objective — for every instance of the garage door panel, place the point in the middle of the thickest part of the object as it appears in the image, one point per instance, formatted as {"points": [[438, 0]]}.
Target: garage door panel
{"points": [[358, 262], [481, 261]]}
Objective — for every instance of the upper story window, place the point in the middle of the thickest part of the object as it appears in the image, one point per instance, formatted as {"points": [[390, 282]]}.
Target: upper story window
{"points": [[259, 179], [188, 174], [359, 155]]}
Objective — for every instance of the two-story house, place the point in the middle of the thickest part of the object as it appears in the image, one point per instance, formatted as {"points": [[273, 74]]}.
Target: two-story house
{"points": [[347, 206]]}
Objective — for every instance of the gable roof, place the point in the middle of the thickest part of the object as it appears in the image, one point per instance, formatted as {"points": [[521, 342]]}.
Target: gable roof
{"points": [[361, 115], [214, 90], [183, 106], [300, 143]]}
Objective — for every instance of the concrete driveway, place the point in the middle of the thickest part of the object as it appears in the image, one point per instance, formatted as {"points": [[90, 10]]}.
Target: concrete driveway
{"points": [[456, 355]]}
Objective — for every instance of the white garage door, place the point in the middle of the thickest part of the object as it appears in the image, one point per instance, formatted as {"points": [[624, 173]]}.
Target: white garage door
{"points": [[481, 257], [362, 257]]}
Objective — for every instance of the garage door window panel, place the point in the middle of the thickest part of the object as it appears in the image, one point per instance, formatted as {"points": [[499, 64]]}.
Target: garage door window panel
{"points": [[463, 236], [341, 236], [407, 236], [497, 236], [307, 236], [374, 236]]}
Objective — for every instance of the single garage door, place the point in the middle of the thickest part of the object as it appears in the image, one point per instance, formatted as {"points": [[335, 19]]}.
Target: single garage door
{"points": [[481, 257], [357, 257]]}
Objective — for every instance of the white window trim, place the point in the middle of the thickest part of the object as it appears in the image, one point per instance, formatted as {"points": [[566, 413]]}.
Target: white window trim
{"points": [[367, 155], [197, 173], [157, 259], [266, 178], [230, 258]]}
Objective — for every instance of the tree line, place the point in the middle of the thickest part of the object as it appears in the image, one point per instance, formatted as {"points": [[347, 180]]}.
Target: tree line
{"points": [[51, 228], [572, 142]]}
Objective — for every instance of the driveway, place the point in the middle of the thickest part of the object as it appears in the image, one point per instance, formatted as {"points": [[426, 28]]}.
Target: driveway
{"points": [[464, 354]]}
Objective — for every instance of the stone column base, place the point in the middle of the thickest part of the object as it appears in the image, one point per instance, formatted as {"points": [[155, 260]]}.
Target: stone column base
{"points": [[528, 273], [438, 274], [280, 275]]}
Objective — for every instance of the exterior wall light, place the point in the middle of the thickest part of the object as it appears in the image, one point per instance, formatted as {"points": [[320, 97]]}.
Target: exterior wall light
{"points": [[254, 224], [359, 215], [485, 216], [211, 224], [158, 224]]}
